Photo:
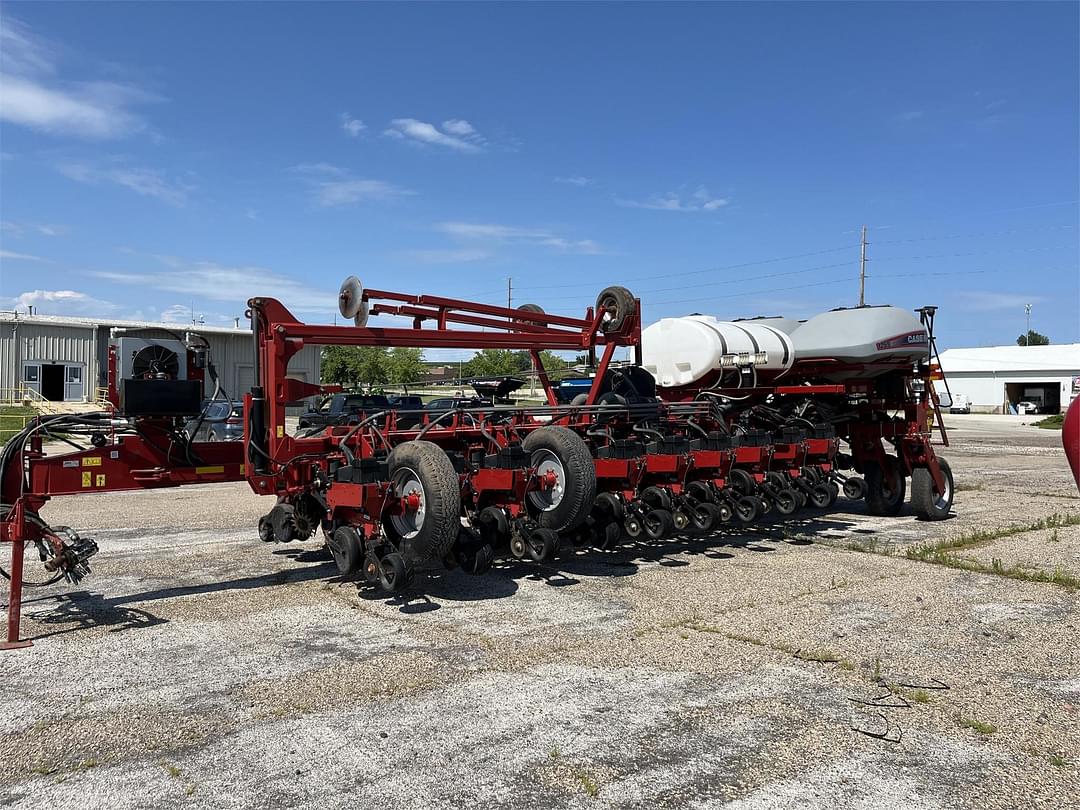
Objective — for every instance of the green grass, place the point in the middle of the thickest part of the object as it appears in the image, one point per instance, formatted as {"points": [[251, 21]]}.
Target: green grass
{"points": [[980, 726], [588, 784], [1055, 422], [1058, 761], [13, 418], [941, 553]]}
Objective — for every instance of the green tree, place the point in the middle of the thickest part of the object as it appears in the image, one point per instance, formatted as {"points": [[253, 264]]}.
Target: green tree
{"points": [[1033, 338], [405, 365], [355, 366], [491, 363]]}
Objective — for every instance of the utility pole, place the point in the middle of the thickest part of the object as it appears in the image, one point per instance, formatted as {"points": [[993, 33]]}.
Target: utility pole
{"points": [[862, 270], [509, 291], [1027, 334]]}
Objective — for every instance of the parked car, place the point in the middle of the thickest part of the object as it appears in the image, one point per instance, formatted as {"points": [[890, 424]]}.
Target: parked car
{"points": [[1027, 407], [443, 404], [344, 409], [960, 404], [218, 423], [404, 404]]}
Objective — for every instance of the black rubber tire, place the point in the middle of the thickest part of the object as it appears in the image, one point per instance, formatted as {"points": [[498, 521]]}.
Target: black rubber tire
{"points": [[530, 308], [786, 502], [371, 569], [927, 502], [579, 486], [347, 549], [477, 560], [656, 497], [281, 518], [724, 512], [801, 499], [658, 524], [608, 507], [580, 399], [442, 494], [705, 516], [395, 573], [609, 536], [493, 525], [742, 482], [542, 544], [266, 529], [855, 488], [618, 302], [633, 527], [746, 509], [879, 500], [700, 491], [834, 492], [819, 496]]}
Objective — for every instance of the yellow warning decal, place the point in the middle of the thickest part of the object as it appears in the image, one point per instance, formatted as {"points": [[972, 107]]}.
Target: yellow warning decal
{"points": [[281, 431], [100, 482], [210, 470], [86, 479], [92, 461]]}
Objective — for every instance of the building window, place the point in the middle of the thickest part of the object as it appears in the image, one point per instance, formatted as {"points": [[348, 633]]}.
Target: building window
{"points": [[74, 374], [30, 373]]}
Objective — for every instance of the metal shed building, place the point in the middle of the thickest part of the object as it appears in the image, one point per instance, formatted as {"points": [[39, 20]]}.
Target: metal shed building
{"points": [[66, 359], [996, 378]]}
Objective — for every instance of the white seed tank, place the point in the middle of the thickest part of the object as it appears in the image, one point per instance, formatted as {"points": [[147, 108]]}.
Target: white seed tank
{"points": [[682, 351]]}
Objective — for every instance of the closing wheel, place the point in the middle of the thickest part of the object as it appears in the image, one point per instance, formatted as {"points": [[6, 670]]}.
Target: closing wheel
{"points": [[705, 516], [834, 492], [885, 489], [785, 501], [724, 512], [746, 509], [616, 304], [820, 496], [474, 556], [633, 527], [658, 524], [347, 549], [800, 498], [542, 544], [425, 519], [855, 488], [742, 481], [765, 504], [266, 529], [928, 503], [567, 477], [395, 573]]}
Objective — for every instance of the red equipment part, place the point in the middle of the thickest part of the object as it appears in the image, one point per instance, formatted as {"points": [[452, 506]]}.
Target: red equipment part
{"points": [[1070, 438]]}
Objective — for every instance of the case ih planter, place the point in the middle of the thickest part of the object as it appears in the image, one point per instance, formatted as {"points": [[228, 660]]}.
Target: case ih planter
{"points": [[731, 434]]}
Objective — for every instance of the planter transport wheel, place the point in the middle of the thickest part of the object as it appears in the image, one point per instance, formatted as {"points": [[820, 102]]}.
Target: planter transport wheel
{"points": [[929, 504], [567, 475], [426, 517]]}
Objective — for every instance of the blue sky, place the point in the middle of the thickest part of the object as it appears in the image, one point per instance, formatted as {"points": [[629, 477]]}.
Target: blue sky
{"points": [[713, 158]]}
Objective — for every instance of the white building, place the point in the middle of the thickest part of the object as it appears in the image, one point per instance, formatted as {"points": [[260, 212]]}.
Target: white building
{"points": [[66, 359], [995, 378]]}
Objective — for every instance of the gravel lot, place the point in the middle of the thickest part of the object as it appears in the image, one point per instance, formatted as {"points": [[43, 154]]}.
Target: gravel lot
{"points": [[198, 667]]}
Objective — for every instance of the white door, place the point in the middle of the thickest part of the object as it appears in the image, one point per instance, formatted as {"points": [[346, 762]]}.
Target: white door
{"points": [[32, 377], [73, 383]]}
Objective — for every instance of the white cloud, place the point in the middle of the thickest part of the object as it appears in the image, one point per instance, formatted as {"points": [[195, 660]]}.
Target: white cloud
{"points": [[25, 257], [456, 126], [147, 182], [508, 233], [699, 200], [985, 301], [352, 126], [575, 180], [332, 186], [177, 313], [910, 115], [204, 280], [453, 136], [31, 95], [449, 255], [63, 302]]}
